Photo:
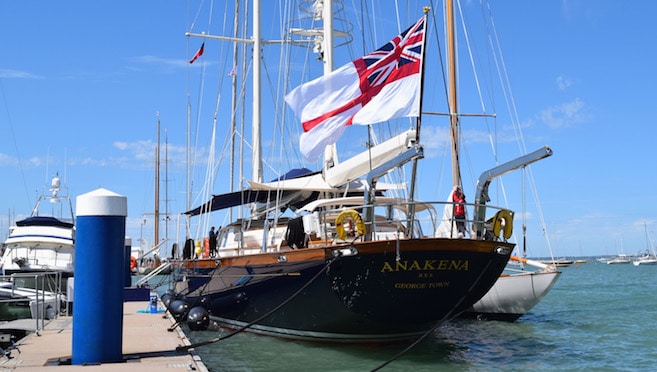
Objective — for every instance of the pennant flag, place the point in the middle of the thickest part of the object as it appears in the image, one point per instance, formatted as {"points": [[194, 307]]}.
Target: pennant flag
{"points": [[380, 86], [233, 72], [198, 53]]}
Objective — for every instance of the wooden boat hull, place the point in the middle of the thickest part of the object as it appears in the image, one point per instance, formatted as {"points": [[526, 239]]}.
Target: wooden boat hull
{"points": [[364, 292]]}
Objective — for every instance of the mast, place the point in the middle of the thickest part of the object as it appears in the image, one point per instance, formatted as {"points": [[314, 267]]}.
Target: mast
{"points": [[166, 185], [233, 123], [156, 210], [256, 171], [330, 152], [328, 36], [453, 108], [418, 121]]}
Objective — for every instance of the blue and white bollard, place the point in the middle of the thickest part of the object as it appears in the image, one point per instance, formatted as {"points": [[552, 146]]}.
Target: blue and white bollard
{"points": [[99, 277]]}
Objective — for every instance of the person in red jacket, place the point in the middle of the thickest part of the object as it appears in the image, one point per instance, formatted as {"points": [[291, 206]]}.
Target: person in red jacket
{"points": [[459, 209]]}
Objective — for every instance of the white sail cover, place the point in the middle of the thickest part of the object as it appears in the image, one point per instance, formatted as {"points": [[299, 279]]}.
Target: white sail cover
{"points": [[362, 163], [316, 182]]}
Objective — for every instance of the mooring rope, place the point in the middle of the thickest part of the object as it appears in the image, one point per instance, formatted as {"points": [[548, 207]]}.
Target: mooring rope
{"points": [[435, 326]]}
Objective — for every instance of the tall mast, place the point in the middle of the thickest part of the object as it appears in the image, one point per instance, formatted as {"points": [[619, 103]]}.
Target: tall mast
{"points": [[328, 36], [330, 152], [256, 171], [453, 108], [156, 211], [166, 185], [233, 121], [418, 121]]}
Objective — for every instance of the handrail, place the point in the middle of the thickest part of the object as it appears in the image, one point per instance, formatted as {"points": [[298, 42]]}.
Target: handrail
{"points": [[38, 296], [158, 270], [432, 220]]}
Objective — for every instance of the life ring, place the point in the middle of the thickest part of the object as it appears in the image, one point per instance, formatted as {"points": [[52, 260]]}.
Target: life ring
{"points": [[133, 263], [355, 218], [507, 216]]}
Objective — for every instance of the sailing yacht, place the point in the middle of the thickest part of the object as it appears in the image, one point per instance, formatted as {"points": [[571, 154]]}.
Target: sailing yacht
{"points": [[335, 255], [649, 258], [621, 258]]}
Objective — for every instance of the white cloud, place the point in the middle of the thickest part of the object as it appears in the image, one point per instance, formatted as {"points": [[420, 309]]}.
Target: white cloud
{"points": [[154, 60], [6, 160], [16, 74], [565, 115], [563, 82]]}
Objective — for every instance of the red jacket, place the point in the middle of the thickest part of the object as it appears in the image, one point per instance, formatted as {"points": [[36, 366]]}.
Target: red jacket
{"points": [[459, 209]]}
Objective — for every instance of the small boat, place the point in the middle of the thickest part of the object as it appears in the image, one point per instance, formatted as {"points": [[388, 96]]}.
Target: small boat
{"points": [[648, 258], [558, 263], [517, 291], [619, 260], [43, 242]]}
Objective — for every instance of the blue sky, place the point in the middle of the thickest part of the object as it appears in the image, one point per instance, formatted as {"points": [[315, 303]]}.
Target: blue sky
{"points": [[83, 84]]}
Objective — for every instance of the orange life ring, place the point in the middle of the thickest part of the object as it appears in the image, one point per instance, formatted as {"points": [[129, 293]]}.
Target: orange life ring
{"points": [[133, 263]]}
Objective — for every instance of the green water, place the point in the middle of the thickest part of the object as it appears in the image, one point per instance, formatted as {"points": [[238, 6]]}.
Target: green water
{"points": [[596, 317]]}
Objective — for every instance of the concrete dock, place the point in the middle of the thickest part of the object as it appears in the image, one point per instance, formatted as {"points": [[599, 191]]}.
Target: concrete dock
{"points": [[147, 345]]}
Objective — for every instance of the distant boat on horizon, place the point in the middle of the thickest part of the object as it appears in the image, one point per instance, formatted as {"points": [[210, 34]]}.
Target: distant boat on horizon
{"points": [[558, 263], [619, 260], [649, 258]]}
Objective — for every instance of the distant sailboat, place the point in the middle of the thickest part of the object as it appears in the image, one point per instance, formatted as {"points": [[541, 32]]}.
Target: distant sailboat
{"points": [[622, 258], [649, 258]]}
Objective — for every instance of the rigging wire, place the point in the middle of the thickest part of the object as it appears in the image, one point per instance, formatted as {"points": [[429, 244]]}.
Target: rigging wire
{"points": [[511, 106], [13, 137]]}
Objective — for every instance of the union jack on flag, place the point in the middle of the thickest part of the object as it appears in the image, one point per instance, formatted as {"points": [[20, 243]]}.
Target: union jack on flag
{"points": [[397, 59], [380, 86]]}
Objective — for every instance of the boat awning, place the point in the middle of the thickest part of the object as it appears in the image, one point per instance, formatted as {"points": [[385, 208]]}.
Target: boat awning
{"points": [[237, 198], [43, 221], [293, 190]]}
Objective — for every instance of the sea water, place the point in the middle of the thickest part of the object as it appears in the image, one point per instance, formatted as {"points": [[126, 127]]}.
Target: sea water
{"points": [[596, 317]]}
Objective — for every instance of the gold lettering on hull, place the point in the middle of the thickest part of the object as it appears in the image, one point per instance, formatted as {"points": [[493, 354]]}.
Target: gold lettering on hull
{"points": [[426, 265]]}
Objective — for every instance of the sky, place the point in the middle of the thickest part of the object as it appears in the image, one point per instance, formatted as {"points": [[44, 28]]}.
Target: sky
{"points": [[84, 84]]}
